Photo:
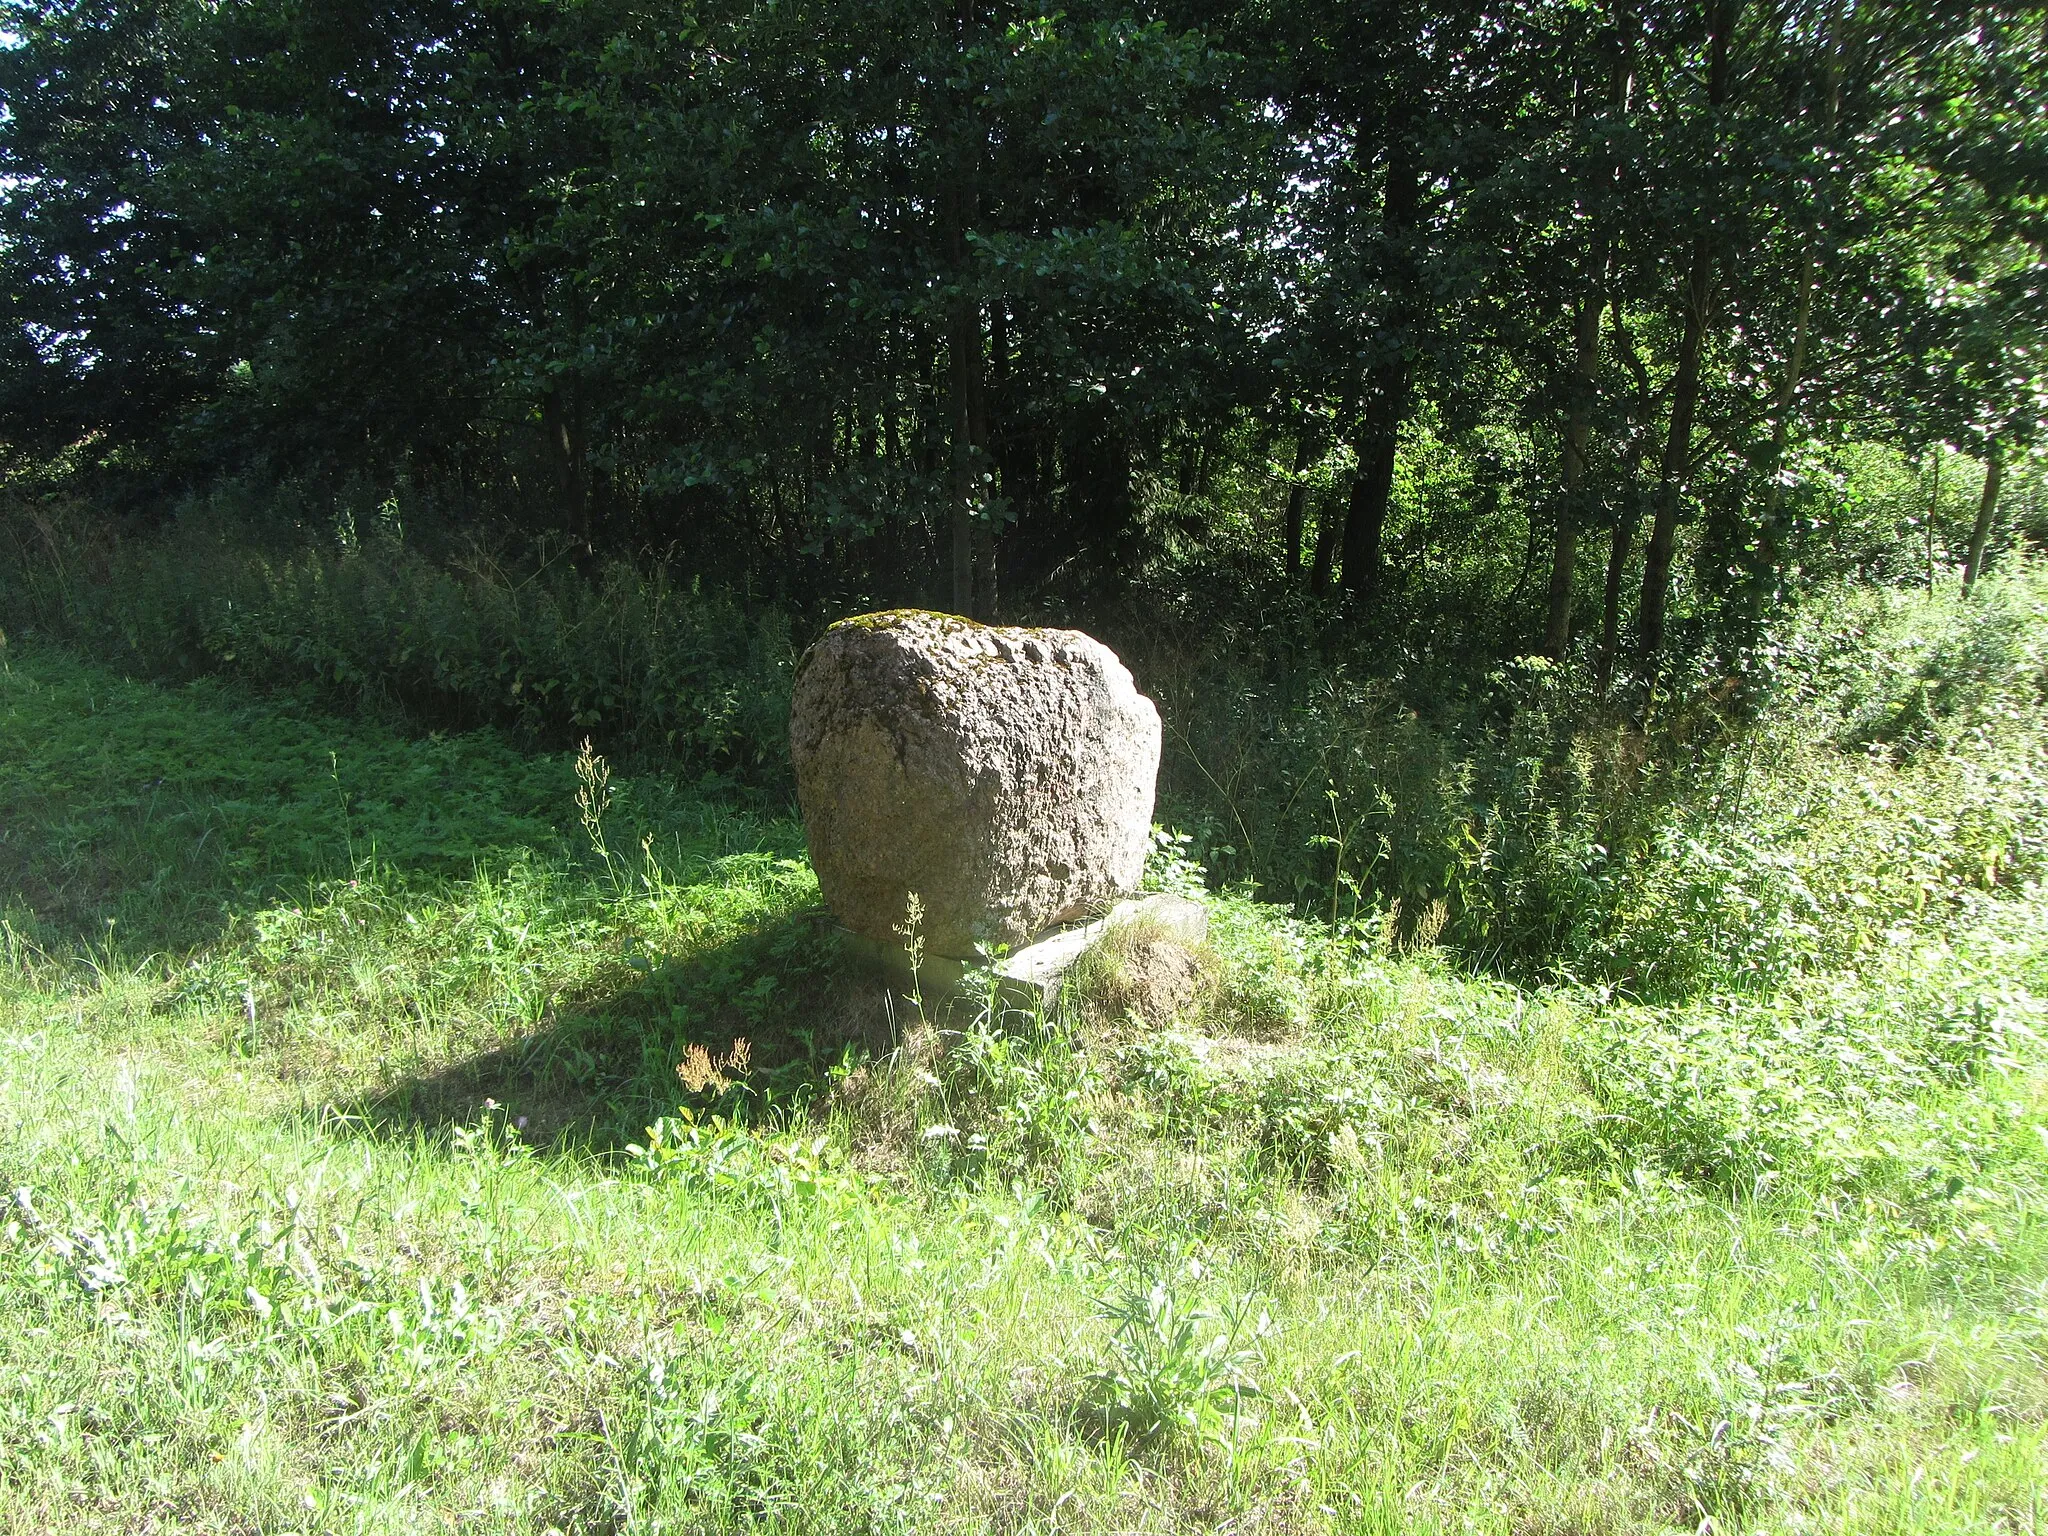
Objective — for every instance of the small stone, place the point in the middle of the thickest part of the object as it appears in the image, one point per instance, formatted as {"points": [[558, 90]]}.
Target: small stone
{"points": [[1003, 776]]}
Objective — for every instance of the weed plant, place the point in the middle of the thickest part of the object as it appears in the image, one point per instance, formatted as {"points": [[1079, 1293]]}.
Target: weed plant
{"points": [[355, 1185]]}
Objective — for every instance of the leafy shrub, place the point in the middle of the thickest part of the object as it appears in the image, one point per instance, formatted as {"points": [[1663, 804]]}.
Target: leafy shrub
{"points": [[715, 1157], [1304, 1111], [1841, 1081], [1898, 764]]}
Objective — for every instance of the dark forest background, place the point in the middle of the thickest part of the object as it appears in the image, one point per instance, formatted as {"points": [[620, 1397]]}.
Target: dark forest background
{"points": [[1463, 416]]}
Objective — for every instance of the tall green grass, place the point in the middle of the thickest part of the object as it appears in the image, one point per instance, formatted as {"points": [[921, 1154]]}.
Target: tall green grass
{"points": [[554, 649], [1878, 760]]}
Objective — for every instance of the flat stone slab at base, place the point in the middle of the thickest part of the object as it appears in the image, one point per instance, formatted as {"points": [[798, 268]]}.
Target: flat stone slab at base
{"points": [[1030, 978]]}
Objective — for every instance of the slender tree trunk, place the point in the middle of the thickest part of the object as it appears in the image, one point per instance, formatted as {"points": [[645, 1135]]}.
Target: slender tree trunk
{"points": [[1372, 487], [1564, 555], [1297, 496], [970, 450], [561, 425], [1211, 456], [1685, 390], [1008, 453], [1389, 391], [1003, 440], [960, 540], [965, 346], [1619, 546], [1622, 541], [982, 438], [1621, 537], [967, 379], [1677, 453], [1557, 629], [1987, 512], [892, 398], [578, 451], [987, 604], [1781, 411], [1571, 509], [1326, 552], [1933, 509]]}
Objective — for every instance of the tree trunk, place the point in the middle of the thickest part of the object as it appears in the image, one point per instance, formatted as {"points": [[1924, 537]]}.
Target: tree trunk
{"points": [[1326, 552], [1564, 556], [1297, 497], [1585, 383], [1372, 487], [967, 380], [970, 450], [560, 422], [1987, 513], [1557, 629], [1685, 389], [965, 345], [1207, 460], [892, 399], [1618, 547], [1388, 390], [981, 433], [1933, 510], [986, 599], [1781, 410], [1629, 512], [1685, 394]]}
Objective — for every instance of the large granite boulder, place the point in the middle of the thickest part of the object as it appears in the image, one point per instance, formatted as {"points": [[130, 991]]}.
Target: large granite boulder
{"points": [[1003, 775]]}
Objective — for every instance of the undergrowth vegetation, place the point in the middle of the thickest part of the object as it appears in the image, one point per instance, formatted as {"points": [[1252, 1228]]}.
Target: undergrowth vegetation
{"points": [[1876, 757], [409, 1131], [1570, 477], [462, 636], [1879, 760]]}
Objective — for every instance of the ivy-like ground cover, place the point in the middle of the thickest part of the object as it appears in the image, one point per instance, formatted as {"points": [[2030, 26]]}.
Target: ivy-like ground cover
{"points": [[351, 1187]]}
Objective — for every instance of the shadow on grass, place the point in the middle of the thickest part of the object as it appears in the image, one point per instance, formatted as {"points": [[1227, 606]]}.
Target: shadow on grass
{"points": [[154, 820], [596, 1074]]}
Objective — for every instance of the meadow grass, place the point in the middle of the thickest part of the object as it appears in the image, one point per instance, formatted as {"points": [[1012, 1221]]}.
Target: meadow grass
{"points": [[353, 1188]]}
